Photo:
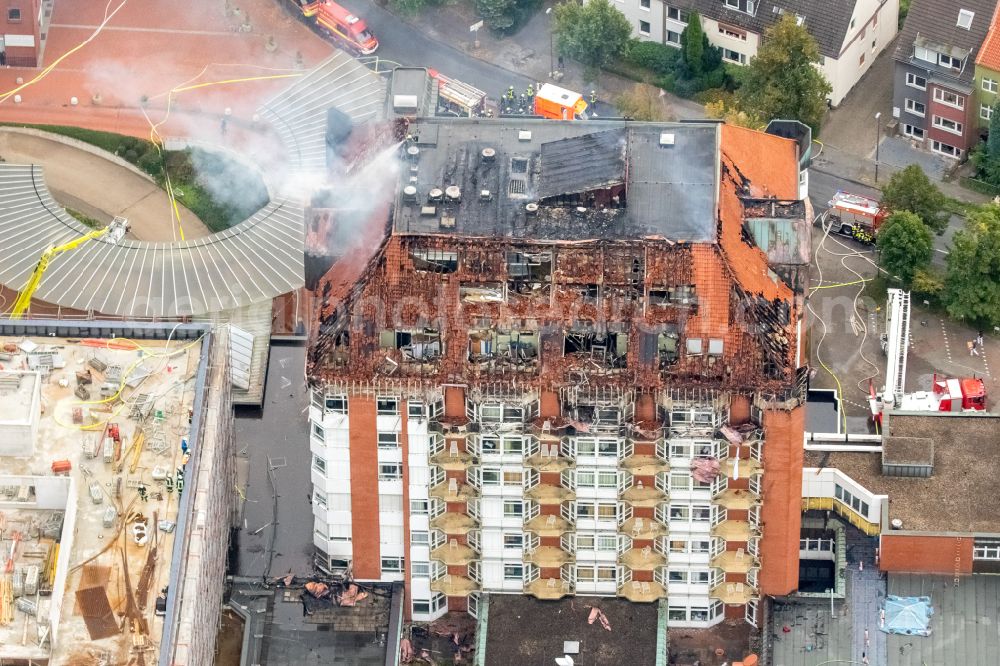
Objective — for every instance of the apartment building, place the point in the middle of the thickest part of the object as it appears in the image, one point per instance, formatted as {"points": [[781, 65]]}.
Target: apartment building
{"points": [[933, 92], [569, 369], [850, 34], [24, 32], [987, 78]]}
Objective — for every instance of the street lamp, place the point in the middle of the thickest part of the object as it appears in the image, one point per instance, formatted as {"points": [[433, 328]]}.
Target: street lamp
{"points": [[878, 133], [552, 57]]}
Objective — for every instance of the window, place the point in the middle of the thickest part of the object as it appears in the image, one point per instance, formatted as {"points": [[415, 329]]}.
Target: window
{"points": [[715, 347], [491, 413], [915, 81], [677, 576], [699, 577], [989, 85], [319, 465], [644, 27], [985, 111], [680, 512], [388, 440], [920, 53], [513, 509], [965, 18], [319, 499], [644, 4], [513, 540], [673, 38], [607, 543], [745, 6], [913, 131], [387, 406], [986, 549], [607, 448], [490, 476], [390, 471], [680, 481], [607, 479], [734, 56], [512, 478], [677, 14], [13, 14], [945, 149], [948, 125], [915, 107], [585, 542], [317, 432], [415, 410], [949, 98], [585, 479], [606, 574], [489, 444], [701, 514], [420, 570], [336, 404], [699, 546], [585, 510], [732, 33], [420, 538], [513, 445], [607, 511], [392, 565], [419, 507], [948, 61], [513, 572]]}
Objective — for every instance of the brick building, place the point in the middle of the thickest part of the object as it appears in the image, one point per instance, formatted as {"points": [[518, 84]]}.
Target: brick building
{"points": [[24, 31], [569, 368]]}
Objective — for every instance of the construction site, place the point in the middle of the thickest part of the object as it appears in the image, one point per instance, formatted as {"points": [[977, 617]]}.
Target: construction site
{"points": [[99, 438]]}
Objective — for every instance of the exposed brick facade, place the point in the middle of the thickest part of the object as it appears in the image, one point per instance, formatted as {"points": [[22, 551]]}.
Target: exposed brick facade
{"points": [[781, 514], [926, 553], [364, 485]]}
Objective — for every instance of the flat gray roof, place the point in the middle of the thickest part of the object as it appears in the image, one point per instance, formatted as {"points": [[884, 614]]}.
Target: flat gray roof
{"points": [[256, 260], [669, 187]]}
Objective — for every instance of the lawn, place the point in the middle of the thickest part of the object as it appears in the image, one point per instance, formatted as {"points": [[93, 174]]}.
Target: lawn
{"points": [[217, 190]]}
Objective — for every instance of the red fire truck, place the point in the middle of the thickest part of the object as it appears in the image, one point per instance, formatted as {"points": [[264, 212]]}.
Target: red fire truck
{"points": [[338, 24], [855, 216]]}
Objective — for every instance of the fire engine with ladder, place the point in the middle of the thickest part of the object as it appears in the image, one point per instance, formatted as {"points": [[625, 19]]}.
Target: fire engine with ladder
{"points": [[338, 24], [947, 394]]}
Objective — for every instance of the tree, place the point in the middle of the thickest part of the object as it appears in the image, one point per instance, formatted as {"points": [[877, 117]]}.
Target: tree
{"points": [[905, 245], [498, 14], [643, 102], [783, 80], [986, 156], [911, 189], [694, 43], [972, 284], [594, 33]]}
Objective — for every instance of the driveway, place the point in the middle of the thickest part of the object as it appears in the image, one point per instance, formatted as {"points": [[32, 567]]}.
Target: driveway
{"points": [[100, 188], [851, 127]]}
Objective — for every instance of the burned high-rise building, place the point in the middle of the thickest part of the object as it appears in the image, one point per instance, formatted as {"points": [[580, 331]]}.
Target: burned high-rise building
{"points": [[570, 367]]}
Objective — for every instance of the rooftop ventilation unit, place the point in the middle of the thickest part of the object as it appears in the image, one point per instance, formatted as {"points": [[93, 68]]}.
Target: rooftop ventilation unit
{"points": [[404, 102], [489, 155], [413, 153], [435, 194], [485, 195], [524, 135], [531, 208], [667, 139], [410, 193], [453, 192]]}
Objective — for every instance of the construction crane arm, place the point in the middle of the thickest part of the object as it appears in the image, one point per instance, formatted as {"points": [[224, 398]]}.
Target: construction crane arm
{"points": [[118, 227]]}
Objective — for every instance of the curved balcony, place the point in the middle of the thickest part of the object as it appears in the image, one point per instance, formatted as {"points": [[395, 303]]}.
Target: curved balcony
{"points": [[453, 461], [641, 592], [454, 554], [737, 498], [734, 561], [453, 492], [451, 585], [548, 463], [454, 523], [733, 530], [642, 528], [547, 493], [736, 594], [644, 465], [642, 559], [643, 496], [548, 525], [549, 588], [747, 467], [548, 557]]}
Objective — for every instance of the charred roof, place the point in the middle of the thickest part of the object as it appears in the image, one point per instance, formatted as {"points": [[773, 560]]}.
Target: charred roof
{"points": [[544, 180]]}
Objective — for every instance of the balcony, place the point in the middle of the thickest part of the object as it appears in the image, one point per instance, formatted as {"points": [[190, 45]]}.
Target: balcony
{"points": [[546, 493], [732, 530], [451, 585], [453, 523], [747, 467], [739, 499], [548, 556], [642, 528], [644, 465], [642, 592], [454, 554], [548, 463], [452, 491], [642, 559], [734, 561], [548, 588], [452, 460], [545, 526], [644, 496], [737, 594]]}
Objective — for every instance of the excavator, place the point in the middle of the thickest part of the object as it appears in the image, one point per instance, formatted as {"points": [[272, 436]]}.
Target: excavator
{"points": [[115, 232]]}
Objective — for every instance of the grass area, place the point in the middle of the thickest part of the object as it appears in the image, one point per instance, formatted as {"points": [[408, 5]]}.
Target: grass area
{"points": [[218, 191], [85, 219]]}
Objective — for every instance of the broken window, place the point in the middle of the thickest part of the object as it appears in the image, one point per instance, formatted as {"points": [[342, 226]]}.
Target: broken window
{"points": [[434, 260], [529, 271], [683, 295], [510, 346], [481, 292], [666, 348], [422, 345], [589, 293], [609, 349]]}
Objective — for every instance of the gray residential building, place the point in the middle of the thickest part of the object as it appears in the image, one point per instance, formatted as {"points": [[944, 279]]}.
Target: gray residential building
{"points": [[934, 73]]}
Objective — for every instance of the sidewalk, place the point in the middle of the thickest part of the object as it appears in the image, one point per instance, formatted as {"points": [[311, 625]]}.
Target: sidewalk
{"points": [[530, 52]]}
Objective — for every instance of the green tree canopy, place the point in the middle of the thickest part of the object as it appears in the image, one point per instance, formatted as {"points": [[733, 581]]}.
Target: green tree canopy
{"points": [[972, 285], [694, 43], [905, 245], [783, 81], [594, 33], [911, 189], [498, 14]]}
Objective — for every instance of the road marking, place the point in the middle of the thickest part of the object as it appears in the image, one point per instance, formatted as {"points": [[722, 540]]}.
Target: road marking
{"points": [[947, 345], [170, 31]]}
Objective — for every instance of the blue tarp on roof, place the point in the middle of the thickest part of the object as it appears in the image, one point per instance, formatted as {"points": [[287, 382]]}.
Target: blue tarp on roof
{"points": [[907, 615]]}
